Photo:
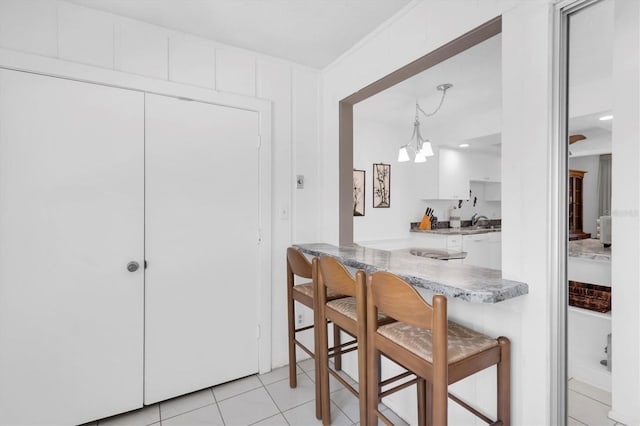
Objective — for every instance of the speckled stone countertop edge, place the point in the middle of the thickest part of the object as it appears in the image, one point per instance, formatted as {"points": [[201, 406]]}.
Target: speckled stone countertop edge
{"points": [[497, 289]]}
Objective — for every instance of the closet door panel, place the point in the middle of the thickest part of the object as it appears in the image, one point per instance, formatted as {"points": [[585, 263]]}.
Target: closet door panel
{"points": [[71, 218], [202, 207]]}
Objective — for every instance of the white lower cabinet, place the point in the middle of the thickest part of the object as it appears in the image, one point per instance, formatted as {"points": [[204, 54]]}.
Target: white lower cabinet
{"points": [[484, 250]]}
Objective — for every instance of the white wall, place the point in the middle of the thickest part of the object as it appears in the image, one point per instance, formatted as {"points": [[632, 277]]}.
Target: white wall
{"points": [[72, 33], [625, 205], [376, 142], [525, 161], [589, 164]]}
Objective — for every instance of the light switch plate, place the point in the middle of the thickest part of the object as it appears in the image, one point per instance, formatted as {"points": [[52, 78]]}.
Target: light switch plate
{"points": [[300, 181]]}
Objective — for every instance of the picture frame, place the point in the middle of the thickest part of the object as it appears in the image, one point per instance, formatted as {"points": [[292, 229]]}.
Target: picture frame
{"points": [[381, 185], [358, 192]]}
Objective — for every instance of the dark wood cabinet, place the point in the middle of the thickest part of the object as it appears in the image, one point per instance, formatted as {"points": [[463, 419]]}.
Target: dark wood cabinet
{"points": [[575, 206]]}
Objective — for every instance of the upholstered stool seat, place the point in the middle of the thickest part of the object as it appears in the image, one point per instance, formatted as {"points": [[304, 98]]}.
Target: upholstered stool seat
{"points": [[347, 307], [462, 341]]}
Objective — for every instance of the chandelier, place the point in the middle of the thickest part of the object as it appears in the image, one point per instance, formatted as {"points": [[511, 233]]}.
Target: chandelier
{"points": [[420, 146]]}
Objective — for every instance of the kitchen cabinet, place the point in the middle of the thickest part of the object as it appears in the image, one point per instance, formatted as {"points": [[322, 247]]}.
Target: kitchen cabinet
{"points": [[437, 241], [484, 167], [493, 191], [449, 176], [484, 250], [446, 178]]}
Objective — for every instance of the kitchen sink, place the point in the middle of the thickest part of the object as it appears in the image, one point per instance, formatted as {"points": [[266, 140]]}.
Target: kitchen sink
{"points": [[479, 229], [437, 254]]}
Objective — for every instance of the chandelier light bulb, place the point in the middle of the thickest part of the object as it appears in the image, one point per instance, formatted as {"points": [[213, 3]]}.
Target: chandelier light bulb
{"points": [[403, 155], [427, 150], [420, 158]]}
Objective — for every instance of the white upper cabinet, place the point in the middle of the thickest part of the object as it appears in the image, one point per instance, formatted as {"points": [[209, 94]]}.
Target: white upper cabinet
{"points": [[446, 177], [493, 191], [484, 167]]}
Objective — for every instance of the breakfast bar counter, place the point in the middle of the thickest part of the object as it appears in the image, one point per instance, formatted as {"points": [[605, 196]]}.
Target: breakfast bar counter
{"points": [[455, 281]]}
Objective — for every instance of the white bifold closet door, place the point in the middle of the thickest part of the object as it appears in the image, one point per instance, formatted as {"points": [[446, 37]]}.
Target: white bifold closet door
{"points": [[71, 219], [202, 215]]}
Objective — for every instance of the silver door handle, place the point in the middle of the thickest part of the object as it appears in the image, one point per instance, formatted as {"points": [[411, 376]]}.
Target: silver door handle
{"points": [[133, 266]]}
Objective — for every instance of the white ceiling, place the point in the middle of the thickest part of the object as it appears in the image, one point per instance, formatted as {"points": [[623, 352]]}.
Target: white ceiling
{"points": [[476, 75], [309, 32]]}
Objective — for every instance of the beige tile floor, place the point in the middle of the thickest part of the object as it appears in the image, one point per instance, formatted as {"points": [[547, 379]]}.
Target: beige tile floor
{"points": [[264, 399], [267, 400], [588, 405]]}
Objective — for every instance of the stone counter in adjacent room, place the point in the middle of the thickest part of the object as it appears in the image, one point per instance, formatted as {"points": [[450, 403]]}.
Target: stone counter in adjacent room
{"points": [[589, 249], [455, 281]]}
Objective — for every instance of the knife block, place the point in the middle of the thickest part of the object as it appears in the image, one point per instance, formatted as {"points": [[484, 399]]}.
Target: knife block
{"points": [[425, 223]]}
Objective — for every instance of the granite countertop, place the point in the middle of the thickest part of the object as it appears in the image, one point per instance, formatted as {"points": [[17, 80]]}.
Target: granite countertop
{"points": [[589, 249], [464, 282], [457, 231]]}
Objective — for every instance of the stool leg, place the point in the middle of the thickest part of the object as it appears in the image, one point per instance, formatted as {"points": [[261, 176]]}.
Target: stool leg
{"points": [[429, 403], [322, 354], [337, 359], [362, 381], [422, 401], [504, 382], [379, 377], [316, 359], [373, 366], [293, 381]]}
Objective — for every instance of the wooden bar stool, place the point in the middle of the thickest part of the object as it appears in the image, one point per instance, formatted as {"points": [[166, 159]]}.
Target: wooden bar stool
{"points": [[299, 265], [349, 314], [439, 352]]}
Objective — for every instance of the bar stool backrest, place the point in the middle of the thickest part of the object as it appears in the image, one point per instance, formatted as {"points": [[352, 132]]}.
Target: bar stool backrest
{"points": [[335, 276], [399, 300], [297, 263]]}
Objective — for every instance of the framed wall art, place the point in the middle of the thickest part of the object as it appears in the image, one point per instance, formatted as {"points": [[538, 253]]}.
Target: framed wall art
{"points": [[358, 192], [381, 185]]}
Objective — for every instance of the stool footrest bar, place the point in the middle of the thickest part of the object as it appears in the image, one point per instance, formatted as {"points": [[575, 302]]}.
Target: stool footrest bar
{"points": [[395, 378], [304, 348], [397, 388], [472, 410]]}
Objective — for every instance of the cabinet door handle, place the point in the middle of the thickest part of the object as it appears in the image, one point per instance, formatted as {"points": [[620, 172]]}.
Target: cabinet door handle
{"points": [[133, 266]]}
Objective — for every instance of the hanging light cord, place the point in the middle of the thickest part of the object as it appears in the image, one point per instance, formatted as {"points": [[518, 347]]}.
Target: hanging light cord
{"points": [[443, 88]]}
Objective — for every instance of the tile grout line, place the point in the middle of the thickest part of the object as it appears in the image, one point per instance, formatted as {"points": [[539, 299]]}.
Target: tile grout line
{"points": [[217, 405], [590, 397], [238, 394], [334, 403], [189, 411], [274, 401], [573, 418]]}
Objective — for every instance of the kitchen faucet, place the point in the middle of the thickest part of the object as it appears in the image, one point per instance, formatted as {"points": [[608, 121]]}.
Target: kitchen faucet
{"points": [[475, 219]]}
